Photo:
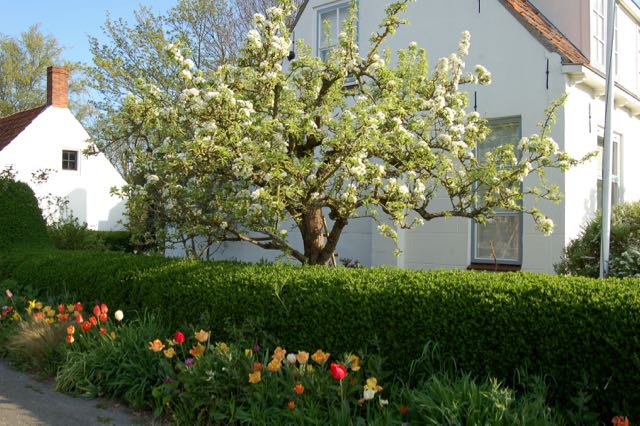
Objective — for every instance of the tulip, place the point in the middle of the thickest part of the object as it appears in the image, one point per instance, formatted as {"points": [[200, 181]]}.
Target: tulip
{"points": [[197, 350], [255, 377], [279, 353], [202, 336], [368, 394], [79, 319], [354, 360], [620, 421], [404, 410], [71, 329], [86, 326], [291, 358], [61, 309], [178, 337], [291, 405], [302, 357], [257, 366], [70, 339], [298, 388], [96, 310], [103, 317], [103, 331], [8, 293], [93, 320], [274, 365], [118, 315], [104, 309], [156, 345], [78, 307], [320, 357], [338, 371], [169, 353]]}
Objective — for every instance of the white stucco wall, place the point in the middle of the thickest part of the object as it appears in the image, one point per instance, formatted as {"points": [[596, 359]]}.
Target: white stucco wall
{"points": [[40, 145]]}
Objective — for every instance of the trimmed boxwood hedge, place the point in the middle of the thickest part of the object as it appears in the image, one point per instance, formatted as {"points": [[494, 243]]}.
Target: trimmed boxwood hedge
{"points": [[583, 333], [21, 221]]}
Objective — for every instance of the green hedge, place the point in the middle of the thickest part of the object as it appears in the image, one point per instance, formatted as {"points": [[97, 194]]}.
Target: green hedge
{"points": [[21, 220], [582, 333], [115, 240]]}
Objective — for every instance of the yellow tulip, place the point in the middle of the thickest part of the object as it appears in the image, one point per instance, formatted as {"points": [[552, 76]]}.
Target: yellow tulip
{"points": [[197, 350], [279, 353], [169, 353], [274, 365], [355, 362]]}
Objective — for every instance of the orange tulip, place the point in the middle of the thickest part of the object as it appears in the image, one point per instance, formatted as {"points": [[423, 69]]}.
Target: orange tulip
{"points": [[197, 350], [302, 357], [255, 377], [291, 404], [156, 345], [298, 388], [71, 329], [320, 357]]}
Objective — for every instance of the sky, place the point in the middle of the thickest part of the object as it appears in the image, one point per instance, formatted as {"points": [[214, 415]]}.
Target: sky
{"points": [[70, 21]]}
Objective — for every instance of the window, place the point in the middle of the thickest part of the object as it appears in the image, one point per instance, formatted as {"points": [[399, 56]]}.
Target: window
{"points": [[598, 23], [500, 239], [615, 169], [331, 22], [638, 59], [69, 160]]}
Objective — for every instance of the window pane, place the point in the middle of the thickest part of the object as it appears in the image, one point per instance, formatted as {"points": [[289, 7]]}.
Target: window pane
{"points": [[500, 236], [502, 133], [614, 159], [329, 21], [344, 15]]}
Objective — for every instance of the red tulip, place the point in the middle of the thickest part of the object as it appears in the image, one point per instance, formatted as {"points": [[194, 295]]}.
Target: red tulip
{"points": [[93, 320], [61, 309], [78, 307], [178, 337], [79, 319], [338, 371], [103, 317], [86, 326], [103, 330], [96, 310]]}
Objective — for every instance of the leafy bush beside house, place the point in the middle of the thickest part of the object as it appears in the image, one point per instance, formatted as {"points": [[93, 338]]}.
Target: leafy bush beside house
{"points": [[580, 331], [582, 255]]}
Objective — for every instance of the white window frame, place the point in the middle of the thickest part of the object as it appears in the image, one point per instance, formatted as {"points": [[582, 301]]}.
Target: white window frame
{"points": [[320, 50], [77, 160], [475, 258], [598, 33], [616, 167], [638, 58]]}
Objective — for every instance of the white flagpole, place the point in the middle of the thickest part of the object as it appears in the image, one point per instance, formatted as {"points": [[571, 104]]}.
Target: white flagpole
{"points": [[608, 133]]}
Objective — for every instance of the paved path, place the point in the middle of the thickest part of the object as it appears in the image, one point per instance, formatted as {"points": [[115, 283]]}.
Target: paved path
{"points": [[26, 401]]}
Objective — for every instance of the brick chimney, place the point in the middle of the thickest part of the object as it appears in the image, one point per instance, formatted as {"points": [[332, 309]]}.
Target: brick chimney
{"points": [[57, 87]]}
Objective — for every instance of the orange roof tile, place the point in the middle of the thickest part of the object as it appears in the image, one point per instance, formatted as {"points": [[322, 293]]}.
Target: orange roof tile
{"points": [[12, 125], [543, 30]]}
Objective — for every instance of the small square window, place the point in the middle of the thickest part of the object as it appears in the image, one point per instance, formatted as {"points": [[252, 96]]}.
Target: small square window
{"points": [[69, 160]]}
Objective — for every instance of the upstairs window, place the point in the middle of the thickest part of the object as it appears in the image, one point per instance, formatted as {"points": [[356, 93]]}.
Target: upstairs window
{"points": [[331, 22], [598, 28], [69, 160]]}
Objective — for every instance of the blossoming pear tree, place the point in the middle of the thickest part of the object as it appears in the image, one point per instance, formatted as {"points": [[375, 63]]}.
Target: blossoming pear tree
{"points": [[256, 149]]}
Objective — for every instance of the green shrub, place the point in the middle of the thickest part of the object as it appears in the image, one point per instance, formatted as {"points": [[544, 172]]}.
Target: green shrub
{"points": [[581, 332], [71, 235], [582, 255], [21, 221], [115, 240]]}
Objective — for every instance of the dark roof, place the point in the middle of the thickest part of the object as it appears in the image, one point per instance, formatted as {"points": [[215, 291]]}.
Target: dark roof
{"points": [[535, 22], [543, 30], [12, 125]]}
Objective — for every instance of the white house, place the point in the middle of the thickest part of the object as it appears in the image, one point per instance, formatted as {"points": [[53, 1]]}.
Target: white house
{"points": [[536, 50], [50, 139]]}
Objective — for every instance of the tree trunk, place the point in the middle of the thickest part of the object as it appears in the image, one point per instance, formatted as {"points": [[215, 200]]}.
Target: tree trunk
{"points": [[312, 236]]}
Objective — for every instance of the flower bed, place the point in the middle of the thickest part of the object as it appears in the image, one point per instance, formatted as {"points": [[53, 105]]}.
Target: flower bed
{"points": [[192, 378]]}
